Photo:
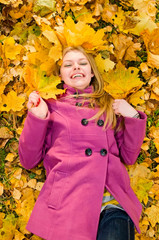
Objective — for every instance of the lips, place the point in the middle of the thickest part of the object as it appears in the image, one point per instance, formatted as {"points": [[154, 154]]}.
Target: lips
{"points": [[75, 75]]}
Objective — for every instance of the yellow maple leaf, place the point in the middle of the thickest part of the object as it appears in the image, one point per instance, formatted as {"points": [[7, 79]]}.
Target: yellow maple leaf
{"points": [[146, 6], [11, 49], [121, 81], [16, 194], [121, 44], [38, 80], [55, 52], [152, 46], [131, 52], [119, 18], [81, 34], [5, 133], [24, 209], [84, 15], [7, 233], [153, 60], [104, 65], [153, 214], [154, 96], [49, 33], [12, 101], [154, 133], [137, 98], [18, 13], [44, 7], [18, 235], [140, 182], [10, 157], [1, 188], [144, 22], [13, 3]]}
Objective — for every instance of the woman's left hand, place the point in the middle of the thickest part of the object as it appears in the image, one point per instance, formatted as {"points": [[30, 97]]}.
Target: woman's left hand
{"points": [[122, 107]]}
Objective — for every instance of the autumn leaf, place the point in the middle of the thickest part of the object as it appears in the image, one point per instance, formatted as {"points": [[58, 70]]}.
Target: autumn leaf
{"points": [[18, 13], [5, 133], [104, 65], [151, 42], [146, 6], [7, 233], [154, 133], [38, 80], [84, 15], [121, 43], [18, 235], [153, 214], [119, 19], [140, 182], [12, 2], [144, 22], [137, 97], [55, 51], [121, 82], [89, 39], [10, 157], [12, 101], [44, 7], [24, 209], [1, 188], [10, 49]]}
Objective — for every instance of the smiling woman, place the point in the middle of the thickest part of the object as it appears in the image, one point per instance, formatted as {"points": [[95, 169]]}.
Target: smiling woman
{"points": [[83, 150], [76, 70]]}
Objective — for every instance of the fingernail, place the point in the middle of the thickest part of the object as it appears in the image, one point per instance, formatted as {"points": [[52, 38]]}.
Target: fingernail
{"points": [[38, 102]]}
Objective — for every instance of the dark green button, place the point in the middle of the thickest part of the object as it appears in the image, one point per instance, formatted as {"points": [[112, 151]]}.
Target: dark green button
{"points": [[103, 152], [84, 121], [88, 151], [78, 104], [76, 95], [100, 123]]}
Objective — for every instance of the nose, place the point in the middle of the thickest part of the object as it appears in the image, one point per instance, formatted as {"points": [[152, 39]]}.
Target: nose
{"points": [[76, 66]]}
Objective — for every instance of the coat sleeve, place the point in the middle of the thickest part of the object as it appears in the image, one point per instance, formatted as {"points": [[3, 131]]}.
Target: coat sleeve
{"points": [[32, 140], [130, 139]]}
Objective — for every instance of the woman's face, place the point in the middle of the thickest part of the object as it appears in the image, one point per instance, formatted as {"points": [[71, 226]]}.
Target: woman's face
{"points": [[76, 70]]}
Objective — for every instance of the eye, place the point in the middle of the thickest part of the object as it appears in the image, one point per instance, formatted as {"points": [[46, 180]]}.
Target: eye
{"points": [[67, 65], [83, 63]]}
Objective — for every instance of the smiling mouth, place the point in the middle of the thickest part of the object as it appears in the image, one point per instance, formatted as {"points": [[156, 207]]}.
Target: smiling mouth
{"points": [[77, 75]]}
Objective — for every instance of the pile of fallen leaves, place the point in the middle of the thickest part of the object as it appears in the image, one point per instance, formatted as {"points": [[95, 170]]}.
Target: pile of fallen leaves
{"points": [[124, 38]]}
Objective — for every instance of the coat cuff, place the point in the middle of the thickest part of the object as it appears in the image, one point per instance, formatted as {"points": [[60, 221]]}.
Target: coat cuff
{"points": [[134, 132]]}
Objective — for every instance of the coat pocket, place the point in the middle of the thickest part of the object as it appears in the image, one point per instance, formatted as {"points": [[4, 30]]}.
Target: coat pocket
{"points": [[56, 196]]}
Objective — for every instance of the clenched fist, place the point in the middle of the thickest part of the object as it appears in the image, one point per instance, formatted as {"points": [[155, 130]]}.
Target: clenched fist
{"points": [[37, 105], [122, 107]]}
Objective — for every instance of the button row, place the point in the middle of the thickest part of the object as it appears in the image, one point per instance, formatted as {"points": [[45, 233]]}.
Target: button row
{"points": [[88, 152], [100, 122]]}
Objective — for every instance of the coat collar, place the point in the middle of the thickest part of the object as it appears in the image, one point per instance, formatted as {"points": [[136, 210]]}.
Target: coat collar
{"points": [[71, 90]]}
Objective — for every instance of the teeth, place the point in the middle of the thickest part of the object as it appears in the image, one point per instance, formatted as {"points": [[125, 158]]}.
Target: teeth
{"points": [[77, 75]]}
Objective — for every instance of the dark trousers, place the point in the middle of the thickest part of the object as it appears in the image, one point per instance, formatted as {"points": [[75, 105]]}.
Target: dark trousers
{"points": [[115, 224]]}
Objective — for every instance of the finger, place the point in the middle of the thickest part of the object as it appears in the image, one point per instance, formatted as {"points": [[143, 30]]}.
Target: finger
{"points": [[30, 105], [34, 102], [115, 105]]}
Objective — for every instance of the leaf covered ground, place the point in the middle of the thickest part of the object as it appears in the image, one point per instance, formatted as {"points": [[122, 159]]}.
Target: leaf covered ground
{"points": [[124, 38]]}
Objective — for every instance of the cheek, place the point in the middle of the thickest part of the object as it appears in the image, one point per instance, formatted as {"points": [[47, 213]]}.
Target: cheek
{"points": [[63, 73]]}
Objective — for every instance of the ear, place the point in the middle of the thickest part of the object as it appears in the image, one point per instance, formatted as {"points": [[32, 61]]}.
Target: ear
{"points": [[92, 74]]}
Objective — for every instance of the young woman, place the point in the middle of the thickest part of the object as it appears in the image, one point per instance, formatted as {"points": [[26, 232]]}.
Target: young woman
{"points": [[84, 144]]}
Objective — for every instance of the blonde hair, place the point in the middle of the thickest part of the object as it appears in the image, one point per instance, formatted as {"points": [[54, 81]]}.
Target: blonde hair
{"points": [[101, 98]]}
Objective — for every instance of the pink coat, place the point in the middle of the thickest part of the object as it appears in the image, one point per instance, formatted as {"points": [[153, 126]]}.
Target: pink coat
{"points": [[80, 160]]}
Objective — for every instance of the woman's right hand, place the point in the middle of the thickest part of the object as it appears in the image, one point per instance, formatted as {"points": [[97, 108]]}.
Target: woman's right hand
{"points": [[37, 105]]}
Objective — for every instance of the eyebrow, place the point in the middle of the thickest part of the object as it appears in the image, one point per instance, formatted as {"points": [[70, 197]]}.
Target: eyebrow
{"points": [[71, 60]]}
